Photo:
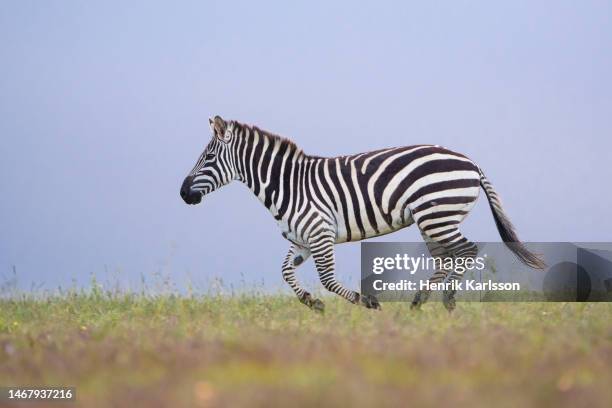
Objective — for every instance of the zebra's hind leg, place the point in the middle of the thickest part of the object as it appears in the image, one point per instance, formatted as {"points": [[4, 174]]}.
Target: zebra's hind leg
{"points": [[463, 250], [438, 215], [438, 252], [456, 247], [295, 257], [322, 248], [422, 296]]}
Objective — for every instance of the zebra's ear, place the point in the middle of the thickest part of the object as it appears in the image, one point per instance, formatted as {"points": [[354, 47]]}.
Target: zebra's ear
{"points": [[218, 126]]}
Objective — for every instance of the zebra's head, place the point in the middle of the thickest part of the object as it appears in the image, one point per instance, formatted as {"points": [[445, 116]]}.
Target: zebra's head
{"points": [[214, 167]]}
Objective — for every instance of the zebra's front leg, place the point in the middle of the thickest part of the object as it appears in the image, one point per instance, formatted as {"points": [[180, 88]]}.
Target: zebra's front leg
{"points": [[322, 248], [295, 257]]}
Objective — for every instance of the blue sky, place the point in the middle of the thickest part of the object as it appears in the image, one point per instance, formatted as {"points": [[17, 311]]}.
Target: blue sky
{"points": [[104, 107]]}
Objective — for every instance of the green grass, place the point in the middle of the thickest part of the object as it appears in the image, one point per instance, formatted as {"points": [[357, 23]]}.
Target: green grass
{"points": [[270, 350]]}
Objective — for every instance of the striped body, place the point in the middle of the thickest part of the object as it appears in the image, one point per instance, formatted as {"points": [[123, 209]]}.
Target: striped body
{"points": [[319, 202], [369, 194]]}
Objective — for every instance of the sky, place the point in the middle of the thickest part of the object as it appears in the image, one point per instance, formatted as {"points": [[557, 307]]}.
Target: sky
{"points": [[104, 109]]}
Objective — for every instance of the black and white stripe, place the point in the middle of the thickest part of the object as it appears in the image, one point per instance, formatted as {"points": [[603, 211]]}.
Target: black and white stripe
{"points": [[319, 202]]}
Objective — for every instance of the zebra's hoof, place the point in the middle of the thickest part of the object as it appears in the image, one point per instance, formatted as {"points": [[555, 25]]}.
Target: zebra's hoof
{"points": [[370, 302], [315, 304], [416, 302], [449, 302], [318, 306]]}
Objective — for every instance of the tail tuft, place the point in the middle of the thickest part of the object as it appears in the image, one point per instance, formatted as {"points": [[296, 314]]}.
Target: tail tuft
{"points": [[506, 229]]}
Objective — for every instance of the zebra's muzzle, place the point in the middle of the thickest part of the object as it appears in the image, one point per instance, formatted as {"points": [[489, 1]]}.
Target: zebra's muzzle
{"points": [[187, 194]]}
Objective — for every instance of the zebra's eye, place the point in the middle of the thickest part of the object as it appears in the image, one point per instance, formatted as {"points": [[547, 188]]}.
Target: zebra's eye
{"points": [[209, 156]]}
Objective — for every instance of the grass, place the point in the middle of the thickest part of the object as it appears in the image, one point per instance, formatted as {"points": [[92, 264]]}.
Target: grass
{"points": [[269, 350]]}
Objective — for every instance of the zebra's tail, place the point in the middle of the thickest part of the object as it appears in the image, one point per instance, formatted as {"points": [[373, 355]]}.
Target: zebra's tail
{"points": [[506, 229]]}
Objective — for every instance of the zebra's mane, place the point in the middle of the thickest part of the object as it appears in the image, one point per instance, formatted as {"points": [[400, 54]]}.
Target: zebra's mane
{"points": [[283, 140]]}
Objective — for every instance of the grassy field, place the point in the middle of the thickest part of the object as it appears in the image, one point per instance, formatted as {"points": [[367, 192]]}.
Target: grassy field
{"points": [[134, 350]]}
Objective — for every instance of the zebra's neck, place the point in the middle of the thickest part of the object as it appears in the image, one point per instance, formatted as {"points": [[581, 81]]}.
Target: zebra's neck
{"points": [[270, 166]]}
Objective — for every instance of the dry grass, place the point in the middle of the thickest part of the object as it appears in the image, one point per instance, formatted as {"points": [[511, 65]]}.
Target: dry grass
{"points": [[131, 350]]}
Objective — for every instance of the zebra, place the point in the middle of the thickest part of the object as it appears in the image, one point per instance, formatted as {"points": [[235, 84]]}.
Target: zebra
{"points": [[319, 202]]}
